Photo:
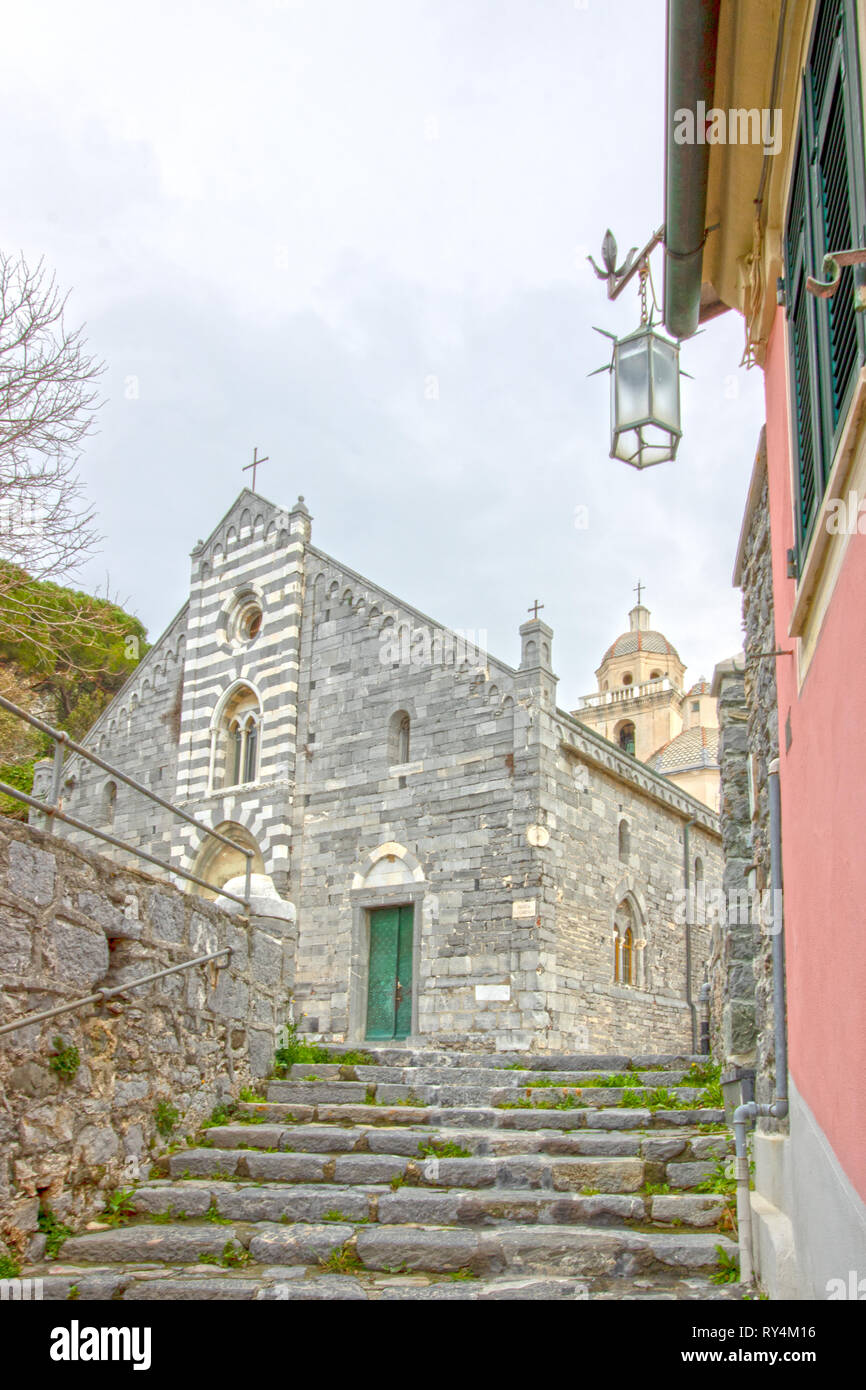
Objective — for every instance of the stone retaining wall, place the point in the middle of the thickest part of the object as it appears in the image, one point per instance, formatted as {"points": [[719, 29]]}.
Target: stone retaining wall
{"points": [[71, 922]]}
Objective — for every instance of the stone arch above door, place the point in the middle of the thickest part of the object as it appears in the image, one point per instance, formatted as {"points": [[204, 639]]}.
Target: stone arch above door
{"points": [[389, 865]]}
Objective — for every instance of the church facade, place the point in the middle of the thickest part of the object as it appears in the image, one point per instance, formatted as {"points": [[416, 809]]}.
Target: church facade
{"points": [[470, 864]]}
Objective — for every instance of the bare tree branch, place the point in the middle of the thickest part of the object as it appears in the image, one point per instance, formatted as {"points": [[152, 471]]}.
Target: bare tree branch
{"points": [[48, 401]]}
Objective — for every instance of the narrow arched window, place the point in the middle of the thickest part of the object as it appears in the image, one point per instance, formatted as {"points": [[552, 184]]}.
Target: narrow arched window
{"points": [[109, 802], [626, 738], [627, 955], [251, 744], [624, 950], [698, 914], [399, 727], [624, 840], [233, 755]]}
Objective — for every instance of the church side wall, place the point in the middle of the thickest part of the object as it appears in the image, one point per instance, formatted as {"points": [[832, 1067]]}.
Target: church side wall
{"points": [[587, 880]]}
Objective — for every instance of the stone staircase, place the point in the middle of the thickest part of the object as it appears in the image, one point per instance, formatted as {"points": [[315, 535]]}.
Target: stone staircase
{"points": [[432, 1175]]}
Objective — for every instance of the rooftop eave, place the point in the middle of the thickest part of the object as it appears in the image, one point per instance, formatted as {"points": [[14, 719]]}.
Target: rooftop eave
{"points": [[711, 190]]}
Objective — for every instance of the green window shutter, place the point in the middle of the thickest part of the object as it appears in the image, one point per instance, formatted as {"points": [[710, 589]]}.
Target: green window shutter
{"points": [[836, 224], [827, 212], [802, 334]]}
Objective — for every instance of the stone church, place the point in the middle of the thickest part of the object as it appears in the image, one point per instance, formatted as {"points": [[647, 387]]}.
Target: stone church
{"points": [[470, 864]]}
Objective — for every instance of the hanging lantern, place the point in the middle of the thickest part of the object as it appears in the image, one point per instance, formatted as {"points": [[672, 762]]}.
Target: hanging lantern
{"points": [[645, 398], [644, 373]]}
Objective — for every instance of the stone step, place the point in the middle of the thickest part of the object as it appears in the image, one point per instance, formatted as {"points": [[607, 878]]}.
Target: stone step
{"points": [[537, 1115], [560, 1250], [403, 1056], [562, 1173], [293, 1284], [486, 1251], [499, 1076], [323, 1092], [239, 1202], [312, 1138]]}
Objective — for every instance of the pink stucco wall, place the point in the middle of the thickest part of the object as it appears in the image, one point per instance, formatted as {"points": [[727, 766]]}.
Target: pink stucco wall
{"points": [[823, 786]]}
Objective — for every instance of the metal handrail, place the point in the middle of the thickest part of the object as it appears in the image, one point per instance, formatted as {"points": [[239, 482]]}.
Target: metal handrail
{"points": [[102, 994], [53, 809]]}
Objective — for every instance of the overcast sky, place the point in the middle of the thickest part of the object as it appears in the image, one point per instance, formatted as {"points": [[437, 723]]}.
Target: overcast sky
{"points": [[290, 223]]}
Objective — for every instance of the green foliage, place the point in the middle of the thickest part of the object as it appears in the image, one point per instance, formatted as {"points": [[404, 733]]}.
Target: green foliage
{"points": [[293, 1051], [722, 1182], [336, 1215], [65, 1061], [702, 1073], [712, 1098], [74, 1293], [9, 1267], [221, 1115], [458, 1275], [728, 1271], [249, 1096], [655, 1189], [590, 1191], [355, 1059], [617, 1082], [65, 649], [397, 1181], [660, 1098], [18, 775], [213, 1215], [411, 1099], [54, 1231], [166, 1117], [77, 648], [632, 1101], [119, 1209], [569, 1102], [434, 1148], [343, 1260], [233, 1256]]}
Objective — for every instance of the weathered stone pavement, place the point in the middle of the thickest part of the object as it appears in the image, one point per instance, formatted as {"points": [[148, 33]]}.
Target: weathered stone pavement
{"points": [[432, 1176]]}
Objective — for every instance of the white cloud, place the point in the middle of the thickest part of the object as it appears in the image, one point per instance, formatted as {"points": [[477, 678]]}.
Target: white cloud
{"points": [[285, 218]]}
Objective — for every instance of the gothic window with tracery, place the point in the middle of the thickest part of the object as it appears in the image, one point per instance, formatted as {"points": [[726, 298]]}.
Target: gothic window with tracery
{"points": [[236, 740]]}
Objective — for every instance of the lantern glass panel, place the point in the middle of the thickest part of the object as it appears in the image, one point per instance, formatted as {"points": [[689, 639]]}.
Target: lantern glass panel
{"points": [[666, 383], [631, 382]]}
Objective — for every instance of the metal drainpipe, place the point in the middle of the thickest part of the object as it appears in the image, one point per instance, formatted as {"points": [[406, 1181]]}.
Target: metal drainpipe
{"points": [[744, 1114], [692, 34], [689, 1000]]}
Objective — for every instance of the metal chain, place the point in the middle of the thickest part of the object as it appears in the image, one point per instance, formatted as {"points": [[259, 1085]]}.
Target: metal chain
{"points": [[643, 273]]}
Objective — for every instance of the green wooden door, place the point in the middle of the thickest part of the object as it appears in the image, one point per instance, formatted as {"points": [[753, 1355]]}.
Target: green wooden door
{"points": [[389, 983]]}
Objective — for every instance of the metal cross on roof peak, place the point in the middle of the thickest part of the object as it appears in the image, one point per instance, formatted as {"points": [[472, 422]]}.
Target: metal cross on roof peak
{"points": [[534, 610], [254, 465], [639, 590]]}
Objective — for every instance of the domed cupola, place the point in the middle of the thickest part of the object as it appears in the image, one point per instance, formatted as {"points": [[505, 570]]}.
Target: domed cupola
{"points": [[641, 655]]}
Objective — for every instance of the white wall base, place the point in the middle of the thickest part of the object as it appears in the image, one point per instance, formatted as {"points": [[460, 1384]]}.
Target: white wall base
{"points": [[808, 1222]]}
